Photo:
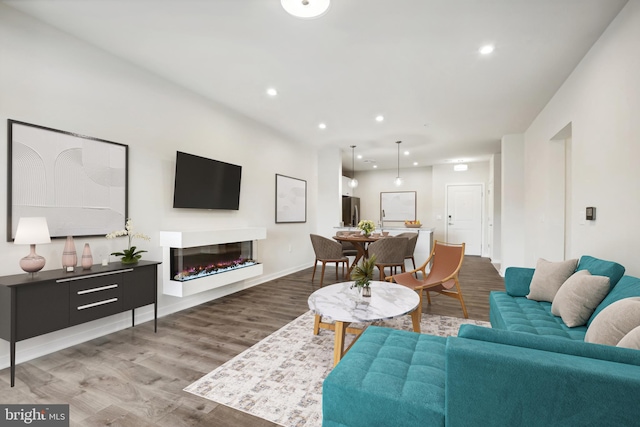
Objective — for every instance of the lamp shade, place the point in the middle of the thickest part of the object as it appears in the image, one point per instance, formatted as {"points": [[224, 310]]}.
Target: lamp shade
{"points": [[32, 231], [306, 8]]}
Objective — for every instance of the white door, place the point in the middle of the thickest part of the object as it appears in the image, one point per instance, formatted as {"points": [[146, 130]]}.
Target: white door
{"points": [[464, 216]]}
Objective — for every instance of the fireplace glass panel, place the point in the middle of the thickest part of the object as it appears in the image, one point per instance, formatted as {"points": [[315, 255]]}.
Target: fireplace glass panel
{"points": [[200, 261]]}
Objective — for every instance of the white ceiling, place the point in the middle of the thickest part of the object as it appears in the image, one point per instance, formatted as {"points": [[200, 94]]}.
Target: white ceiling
{"points": [[414, 61]]}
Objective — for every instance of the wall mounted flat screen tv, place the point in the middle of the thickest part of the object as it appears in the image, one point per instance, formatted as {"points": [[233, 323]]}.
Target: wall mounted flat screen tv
{"points": [[203, 183]]}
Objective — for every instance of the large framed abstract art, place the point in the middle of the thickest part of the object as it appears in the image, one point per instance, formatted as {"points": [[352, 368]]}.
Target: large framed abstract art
{"points": [[78, 183], [291, 199]]}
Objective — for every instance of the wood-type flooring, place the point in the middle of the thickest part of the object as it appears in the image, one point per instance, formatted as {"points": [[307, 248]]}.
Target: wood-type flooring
{"points": [[135, 377]]}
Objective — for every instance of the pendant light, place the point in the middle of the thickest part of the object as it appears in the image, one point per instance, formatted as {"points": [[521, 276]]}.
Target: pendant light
{"points": [[398, 180], [353, 183]]}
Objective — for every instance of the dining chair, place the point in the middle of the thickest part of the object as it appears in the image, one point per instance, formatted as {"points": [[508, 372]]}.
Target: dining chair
{"points": [[411, 246], [347, 247], [327, 251], [446, 261], [389, 252]]}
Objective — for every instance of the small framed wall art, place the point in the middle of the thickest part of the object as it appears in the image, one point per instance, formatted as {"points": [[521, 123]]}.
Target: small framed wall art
{"points": [[291, 199]]}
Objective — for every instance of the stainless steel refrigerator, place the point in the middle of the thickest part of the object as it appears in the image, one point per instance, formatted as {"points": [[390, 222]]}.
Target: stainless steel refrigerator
{"points": [[350, 211]]}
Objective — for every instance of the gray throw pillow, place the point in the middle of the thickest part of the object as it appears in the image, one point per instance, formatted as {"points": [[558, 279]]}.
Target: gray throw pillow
{"points": [[578, 297], [631, 340], [614, 322], [548, 277]]}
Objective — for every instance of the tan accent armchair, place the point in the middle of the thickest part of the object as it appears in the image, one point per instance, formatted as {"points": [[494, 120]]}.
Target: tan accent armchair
{"points": [[446, 261]]}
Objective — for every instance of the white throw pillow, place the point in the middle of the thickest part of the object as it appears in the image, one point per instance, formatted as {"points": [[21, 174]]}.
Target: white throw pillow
{"points": [[631, 340], [614, 322], [548, 277], [578, 297]]}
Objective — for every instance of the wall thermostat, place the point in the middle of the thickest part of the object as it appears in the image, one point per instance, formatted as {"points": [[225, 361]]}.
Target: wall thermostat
{"points": [[591, 214]]}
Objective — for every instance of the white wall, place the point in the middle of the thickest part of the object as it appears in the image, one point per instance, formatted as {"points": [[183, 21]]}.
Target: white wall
{"points": [[494, 207], [329, 191], [512, 209], [372, 183], [601, 100], [51, 79]]}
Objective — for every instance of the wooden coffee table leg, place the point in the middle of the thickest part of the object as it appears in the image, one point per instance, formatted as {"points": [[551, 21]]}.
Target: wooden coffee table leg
{"points": [[338, 346], [316, 325], [416, 315]]}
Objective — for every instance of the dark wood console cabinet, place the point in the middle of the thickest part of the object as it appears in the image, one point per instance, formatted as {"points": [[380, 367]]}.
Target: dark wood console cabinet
{"points": [[32, 305]]}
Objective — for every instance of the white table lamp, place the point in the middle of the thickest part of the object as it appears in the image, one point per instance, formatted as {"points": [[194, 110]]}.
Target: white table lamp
{"points": [[32, 231]]}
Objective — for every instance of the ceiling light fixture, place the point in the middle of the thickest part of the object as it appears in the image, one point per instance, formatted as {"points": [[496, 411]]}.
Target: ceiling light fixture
{"points": [[272, 92], [322, 125], [306, 9], [354, 182], [460, 167], [379, 118], [398, 180], [487, 49]]}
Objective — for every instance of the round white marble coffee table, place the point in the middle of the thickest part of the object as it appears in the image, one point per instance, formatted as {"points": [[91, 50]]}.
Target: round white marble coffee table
{"points": [[344, 306]]}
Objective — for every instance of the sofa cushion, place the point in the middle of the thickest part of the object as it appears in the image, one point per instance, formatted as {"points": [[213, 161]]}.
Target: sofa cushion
{"points": [[627, 287], [578, 297], [631, 340], [600, 267], [614, 322], [517, 280], [520, 314], [399, 374], [548, 277]]}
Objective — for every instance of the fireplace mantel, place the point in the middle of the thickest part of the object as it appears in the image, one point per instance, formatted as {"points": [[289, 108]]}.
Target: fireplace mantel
{"points": [[188, 239]]}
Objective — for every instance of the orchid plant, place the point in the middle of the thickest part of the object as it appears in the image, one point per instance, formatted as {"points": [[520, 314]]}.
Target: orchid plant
{"points": [[129, 255]]}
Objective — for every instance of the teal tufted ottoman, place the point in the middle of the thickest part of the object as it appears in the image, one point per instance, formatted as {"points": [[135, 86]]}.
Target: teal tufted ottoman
{"points": [[399, 374]]}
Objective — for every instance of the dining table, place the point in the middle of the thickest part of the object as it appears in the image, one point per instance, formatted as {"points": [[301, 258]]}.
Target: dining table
{"points": [[361, 243]]}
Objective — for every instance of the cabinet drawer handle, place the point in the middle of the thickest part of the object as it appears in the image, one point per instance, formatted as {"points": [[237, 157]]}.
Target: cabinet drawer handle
{"points": [[94, 304], [108, 273], [101, 288]]}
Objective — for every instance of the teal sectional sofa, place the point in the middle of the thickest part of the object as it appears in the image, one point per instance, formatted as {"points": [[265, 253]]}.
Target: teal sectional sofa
{"points": [[528, 370]]}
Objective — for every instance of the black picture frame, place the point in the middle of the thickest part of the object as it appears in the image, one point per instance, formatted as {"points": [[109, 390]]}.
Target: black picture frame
{"points": [[79, 183]]}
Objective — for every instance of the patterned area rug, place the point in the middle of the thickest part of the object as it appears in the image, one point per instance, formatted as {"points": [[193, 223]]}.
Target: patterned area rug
{"points": [[280, 378]]}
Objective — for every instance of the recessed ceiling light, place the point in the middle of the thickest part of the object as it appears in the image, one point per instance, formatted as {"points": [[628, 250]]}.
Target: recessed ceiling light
{"points": [[415, 163], [375, 166], [460, 167], [487, 49], [306, 8], [272, 92], [359, 156], [406, 153], [379, 118], [322, 125]]}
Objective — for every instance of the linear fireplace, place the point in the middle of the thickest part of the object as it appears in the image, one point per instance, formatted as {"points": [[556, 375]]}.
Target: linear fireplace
{"points": [[202, 261], [196, 261]]}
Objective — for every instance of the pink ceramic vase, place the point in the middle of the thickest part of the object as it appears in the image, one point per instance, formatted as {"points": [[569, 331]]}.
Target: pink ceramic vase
{"points": [[87, 258], [69, 256]]}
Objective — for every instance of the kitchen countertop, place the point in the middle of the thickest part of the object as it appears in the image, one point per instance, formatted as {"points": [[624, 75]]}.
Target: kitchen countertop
{"points": [[423, 228]]}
